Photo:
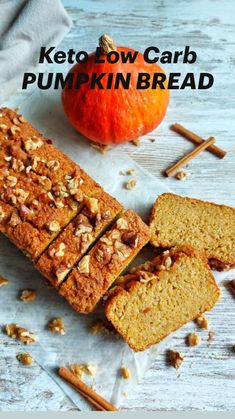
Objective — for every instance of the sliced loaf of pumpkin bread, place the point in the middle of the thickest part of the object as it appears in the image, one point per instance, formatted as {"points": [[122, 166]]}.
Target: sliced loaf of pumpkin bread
{"points": [[207, 227], [160, 296]]}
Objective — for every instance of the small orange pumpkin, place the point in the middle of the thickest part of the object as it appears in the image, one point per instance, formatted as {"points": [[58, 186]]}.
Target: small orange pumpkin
{"points": [[113, 116]]}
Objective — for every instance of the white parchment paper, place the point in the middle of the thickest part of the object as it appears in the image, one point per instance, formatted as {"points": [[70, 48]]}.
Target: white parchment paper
{"points": [[107, 352]]}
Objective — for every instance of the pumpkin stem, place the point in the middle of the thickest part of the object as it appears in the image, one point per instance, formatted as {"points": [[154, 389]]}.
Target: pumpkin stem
{"points": [[106, 44]]}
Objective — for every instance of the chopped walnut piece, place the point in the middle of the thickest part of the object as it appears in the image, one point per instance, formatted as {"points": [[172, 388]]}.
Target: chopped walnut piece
{"points": [[92, 204], [45, 182], [60, 252], [25, 358], [83, 265], [53, 165], [17, 332], [202, 322], [145, 277], [56, 325], [27, 296], [103, 254], [61, 274], [122, 224], [181, 175], [131, 238], [14, 220], [193, 339], [97, 327], [176, 358], [125, 373], [2, 214], [53, 226], [130, 172], [33, 143], [80, 369], [14, 129], [131, 184], [168, 262], [102, 148], [77, 369], [136, 142], [3, 281], [3, 126], [11, 181]]}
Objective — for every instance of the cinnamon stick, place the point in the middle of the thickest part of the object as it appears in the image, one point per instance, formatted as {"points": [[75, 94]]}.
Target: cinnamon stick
{"points": [[86, 391], [191, 136], [182, 162]]}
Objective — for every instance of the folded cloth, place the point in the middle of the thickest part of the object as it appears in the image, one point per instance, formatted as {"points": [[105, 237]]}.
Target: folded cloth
{"points": [[26, 26]]}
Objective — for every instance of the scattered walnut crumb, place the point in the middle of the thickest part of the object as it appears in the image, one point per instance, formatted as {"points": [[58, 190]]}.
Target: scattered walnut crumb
{"points": [[102, 148], [80, 369], [136, 142], [3, 281], [53, 226], [233, 348], [193, 339], [15, 331], [176, 358], [130, 172], [97, 327], [152, 140], [125, 373], [27, 296], [181, 175], [125, 394], [211, 336], [56, 325], [25, 358], [232, 286], [202, 322], [131, 184]]}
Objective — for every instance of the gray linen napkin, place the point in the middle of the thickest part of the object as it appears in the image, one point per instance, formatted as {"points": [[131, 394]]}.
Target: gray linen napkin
{"points": [[26, 26]]}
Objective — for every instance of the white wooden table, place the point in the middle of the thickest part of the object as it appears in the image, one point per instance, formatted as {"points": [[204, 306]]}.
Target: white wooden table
{"points": [[206, 380]]}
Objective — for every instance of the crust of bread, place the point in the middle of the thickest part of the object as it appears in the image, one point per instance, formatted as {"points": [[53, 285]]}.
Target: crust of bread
{"points": [[216, 262]]}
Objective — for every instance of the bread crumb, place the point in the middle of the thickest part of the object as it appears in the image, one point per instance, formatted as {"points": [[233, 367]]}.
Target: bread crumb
{"points": [[91, 369], [152, 140], [181, 175], [136, 142], [125, 373], [202, 322], [125, 394], [131, 184], [27, 296], [193, 339], [56, 325], [3, 281], [25, 358], [102, 148], [176, 358]]}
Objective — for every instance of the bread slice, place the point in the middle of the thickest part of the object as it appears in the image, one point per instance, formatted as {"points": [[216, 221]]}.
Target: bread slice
{"points": [[208, 227], [160, 296], [77, 238], [111, 254]]}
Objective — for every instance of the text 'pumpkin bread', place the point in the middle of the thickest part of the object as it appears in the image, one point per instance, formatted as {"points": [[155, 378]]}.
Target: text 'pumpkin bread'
{"points": [[160, 296], [111, 254], [207, 227]]}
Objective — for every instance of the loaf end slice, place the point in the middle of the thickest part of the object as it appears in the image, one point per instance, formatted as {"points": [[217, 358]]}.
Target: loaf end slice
{"points": [[159, 297], [208, 227]]}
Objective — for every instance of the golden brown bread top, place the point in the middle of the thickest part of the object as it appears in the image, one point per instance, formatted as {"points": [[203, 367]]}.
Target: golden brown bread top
{"points": [[43, 188], [208, 227], [158, 298], [106, 260], [68, 248]]}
